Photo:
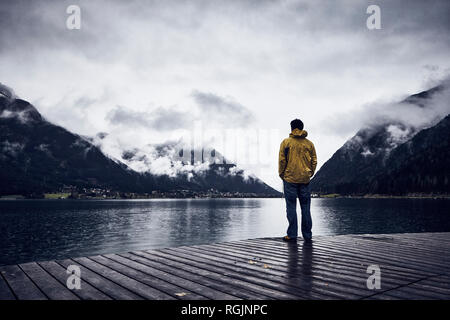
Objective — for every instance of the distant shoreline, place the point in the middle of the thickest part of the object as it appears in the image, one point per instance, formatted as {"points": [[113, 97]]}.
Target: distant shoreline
{"points": [[15, 198], [380, 196], [102, 194], [6, 198]]}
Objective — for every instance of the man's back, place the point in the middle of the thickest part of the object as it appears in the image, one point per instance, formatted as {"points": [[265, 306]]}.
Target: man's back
{"points": [[296, 165], [297, 158]]}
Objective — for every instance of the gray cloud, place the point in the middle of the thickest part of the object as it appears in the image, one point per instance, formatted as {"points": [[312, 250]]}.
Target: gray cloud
{"points": [[210, 108], [224, 110], [160, 119], [37, 24], [280, 59], [33, 25]]}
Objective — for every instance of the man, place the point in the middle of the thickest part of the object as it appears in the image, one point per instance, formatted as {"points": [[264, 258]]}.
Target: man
{"points": [[296, 165]]}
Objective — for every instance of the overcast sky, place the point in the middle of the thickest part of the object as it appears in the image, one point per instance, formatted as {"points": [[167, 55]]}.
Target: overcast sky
{"points": [[139, 69]]}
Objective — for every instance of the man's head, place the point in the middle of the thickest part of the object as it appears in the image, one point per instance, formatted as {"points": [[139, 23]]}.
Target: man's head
{"points": [[296, 124]]}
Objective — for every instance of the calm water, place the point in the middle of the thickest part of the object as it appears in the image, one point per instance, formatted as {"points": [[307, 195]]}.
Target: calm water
{"points": [[42, 230]]}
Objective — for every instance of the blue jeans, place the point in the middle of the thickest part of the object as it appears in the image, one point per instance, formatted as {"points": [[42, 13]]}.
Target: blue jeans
{"points": [[303, 192]]}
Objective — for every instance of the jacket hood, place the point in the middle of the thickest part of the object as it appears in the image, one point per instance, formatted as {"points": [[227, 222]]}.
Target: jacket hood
{"points": [[297, 133]]}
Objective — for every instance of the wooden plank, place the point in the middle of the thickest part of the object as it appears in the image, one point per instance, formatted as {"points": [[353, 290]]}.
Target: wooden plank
{"points": [[50, 286], [354, 247], [378, 256], [410, 248], [279, 287], [424, 244], [124, 267], [301, 258], [425, 240], [414, 266], [87, 292], [200, 276], [247, 281], [390, 255], [441, 281], [382, 296], [5, 291], [21, 285], [130, 284], [323, 261], [185, 282], [409, 293], [427, 288], [385, 247], [343, 286], [102, 284], [333, 273], [337, 255]]}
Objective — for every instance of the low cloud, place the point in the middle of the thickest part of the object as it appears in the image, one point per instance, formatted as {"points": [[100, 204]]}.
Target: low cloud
{"points": [[6, 91], [158, 159], [410, 113], [172, 128]]}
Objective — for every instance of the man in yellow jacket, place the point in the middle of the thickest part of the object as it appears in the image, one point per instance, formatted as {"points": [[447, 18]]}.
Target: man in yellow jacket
{"points": [[296, 165]]}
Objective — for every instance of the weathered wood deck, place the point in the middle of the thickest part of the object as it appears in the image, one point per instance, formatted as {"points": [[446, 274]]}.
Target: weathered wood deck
{"points": [[413, 266]]}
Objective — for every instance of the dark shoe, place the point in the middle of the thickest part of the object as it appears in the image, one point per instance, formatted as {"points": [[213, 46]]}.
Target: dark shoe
{"points": [[289, 239], [307, 240]]}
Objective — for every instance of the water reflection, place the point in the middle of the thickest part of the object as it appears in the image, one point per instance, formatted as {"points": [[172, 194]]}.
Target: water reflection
{"points": [[300, 261], [41, 230]]}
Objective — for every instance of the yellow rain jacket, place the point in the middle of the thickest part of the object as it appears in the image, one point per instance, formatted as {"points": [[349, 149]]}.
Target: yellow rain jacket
{"points": [[297, 160]]}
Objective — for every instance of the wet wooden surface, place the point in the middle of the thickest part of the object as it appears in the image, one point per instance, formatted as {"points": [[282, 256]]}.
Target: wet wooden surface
{"points": [[412, 266]]}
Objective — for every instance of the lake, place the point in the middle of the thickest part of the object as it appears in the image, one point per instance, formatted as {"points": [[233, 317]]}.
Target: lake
{"points": [[35, 230]]}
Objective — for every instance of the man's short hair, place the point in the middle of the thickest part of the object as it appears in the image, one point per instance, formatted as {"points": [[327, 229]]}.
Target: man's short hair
{"points": [[296, 124]]}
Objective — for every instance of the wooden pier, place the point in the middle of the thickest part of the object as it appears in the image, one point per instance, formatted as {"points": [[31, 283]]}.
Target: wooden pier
{"points": [[412, 266]]}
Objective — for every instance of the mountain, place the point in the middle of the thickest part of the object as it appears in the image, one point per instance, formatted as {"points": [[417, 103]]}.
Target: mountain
{"points": [[391, 158], [193, 169], [37, 156], [419, 165]]}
